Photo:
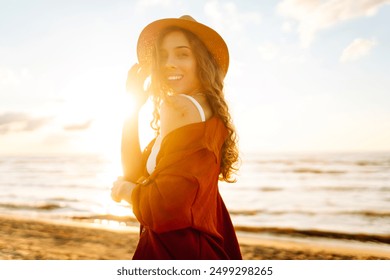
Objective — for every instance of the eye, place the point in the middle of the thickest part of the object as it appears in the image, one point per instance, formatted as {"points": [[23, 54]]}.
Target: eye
{"points": [[183, 54]]}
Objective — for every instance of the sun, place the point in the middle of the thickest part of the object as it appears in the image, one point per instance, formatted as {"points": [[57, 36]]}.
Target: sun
{"points": [[92, 115], [106, 132], [104, 137]]}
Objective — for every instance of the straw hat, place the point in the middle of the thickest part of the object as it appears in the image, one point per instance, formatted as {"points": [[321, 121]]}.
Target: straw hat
{"points": [[212, 40]]}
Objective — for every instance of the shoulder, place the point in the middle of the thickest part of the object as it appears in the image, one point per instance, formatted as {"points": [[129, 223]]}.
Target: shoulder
{"points": [[177, 102], [177, 111]]}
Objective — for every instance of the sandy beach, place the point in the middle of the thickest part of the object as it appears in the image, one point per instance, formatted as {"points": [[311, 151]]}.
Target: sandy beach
{"points": [[23, 239]]}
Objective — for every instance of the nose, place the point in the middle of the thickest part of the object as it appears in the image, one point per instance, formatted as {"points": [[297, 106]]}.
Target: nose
{"points": [[170, 62]]}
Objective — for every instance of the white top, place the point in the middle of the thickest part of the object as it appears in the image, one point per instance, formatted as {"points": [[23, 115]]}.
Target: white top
{"points": [[151, 163], [197, 105]]}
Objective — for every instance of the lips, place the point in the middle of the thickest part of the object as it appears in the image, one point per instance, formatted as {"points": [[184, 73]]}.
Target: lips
{"points": [[174, 77]]}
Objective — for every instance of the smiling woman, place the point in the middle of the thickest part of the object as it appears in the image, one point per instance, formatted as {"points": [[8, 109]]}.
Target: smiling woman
{"points": [[173, 184], [179, 73]]}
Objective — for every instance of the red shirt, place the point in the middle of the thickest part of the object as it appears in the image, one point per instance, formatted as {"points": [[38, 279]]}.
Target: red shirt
{"points": [[179, 207]]}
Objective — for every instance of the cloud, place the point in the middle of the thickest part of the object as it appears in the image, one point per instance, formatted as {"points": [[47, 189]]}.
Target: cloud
{"points": [[226, 17], [358, 48], [313, 16], [11, 77], [268, 51], [283, 53], [17, 122], [7, 118], [8, 77], [144, 5], [80, 126], [287, 27]]}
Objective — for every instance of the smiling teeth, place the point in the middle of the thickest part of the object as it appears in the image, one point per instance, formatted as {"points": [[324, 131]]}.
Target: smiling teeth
{"points": [[174, 78]]}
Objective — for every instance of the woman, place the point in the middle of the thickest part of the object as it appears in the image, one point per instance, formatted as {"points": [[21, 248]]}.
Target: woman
{"points": [[173, 184]]}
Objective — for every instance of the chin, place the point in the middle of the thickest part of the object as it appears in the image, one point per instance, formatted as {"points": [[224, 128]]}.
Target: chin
{"points": [[177, 91]]}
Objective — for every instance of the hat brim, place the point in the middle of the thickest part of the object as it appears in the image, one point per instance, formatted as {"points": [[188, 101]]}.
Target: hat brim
{"points": [[212, 40]]}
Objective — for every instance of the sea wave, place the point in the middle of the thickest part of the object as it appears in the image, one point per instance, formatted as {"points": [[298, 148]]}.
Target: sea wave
{"points": [[339, 188], [349, 189], [365, 213], [317, 233], [342, 159], [127, 220], [373, 163], [368, 213], [26, 206], [268, 212], [270, 189], [318, 171]]}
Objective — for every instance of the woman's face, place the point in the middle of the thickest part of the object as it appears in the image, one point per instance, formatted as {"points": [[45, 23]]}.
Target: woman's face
{"points": [[178, 64]]}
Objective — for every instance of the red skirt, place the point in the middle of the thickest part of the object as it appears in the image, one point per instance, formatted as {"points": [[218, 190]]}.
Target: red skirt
{"points": [[184, 244]]}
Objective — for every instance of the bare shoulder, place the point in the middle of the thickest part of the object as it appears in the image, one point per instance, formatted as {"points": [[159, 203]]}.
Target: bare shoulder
{"points": [[177, 111]]}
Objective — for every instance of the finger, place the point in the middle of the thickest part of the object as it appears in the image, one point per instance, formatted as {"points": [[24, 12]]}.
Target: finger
{"points": [[139, 72], [134, 69], [143, 72], [114, 190], [114, 196], [134, 81]]}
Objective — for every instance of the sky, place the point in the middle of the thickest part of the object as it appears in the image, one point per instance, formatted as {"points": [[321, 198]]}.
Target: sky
{"points": [[304, 76]]}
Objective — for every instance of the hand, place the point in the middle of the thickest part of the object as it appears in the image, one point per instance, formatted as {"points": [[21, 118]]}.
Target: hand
{"points": [[135, 84], [122, 190]]}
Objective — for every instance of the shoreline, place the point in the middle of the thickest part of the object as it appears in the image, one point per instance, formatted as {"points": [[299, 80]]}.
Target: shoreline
{"points": [[24, 238]]}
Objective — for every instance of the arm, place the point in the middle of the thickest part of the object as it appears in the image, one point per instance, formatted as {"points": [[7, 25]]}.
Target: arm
{"points": [[179, 195], [164, 201], [130, 149]]}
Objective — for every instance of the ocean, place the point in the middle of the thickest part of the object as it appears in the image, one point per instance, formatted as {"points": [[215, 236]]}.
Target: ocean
{"points": [[333, 195]]}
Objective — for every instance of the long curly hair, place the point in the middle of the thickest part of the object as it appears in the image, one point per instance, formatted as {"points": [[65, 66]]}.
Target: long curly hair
{"points": [[211, 78]]}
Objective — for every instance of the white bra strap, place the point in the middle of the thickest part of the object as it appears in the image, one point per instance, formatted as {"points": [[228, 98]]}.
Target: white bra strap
{"points": [[197, 105]]}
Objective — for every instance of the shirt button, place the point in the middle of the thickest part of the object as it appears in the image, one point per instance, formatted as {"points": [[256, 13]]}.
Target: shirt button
{"points": [[145, 181]]}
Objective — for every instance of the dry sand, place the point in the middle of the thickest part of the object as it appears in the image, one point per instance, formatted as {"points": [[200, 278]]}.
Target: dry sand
{"points": [[23, 239]]}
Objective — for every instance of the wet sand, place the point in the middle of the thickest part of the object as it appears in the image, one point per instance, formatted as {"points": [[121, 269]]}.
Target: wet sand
{"points": [[23, 239]]}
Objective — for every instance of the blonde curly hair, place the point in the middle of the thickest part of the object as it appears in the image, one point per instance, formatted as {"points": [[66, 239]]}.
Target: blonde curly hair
{"points": [[211, 78]]}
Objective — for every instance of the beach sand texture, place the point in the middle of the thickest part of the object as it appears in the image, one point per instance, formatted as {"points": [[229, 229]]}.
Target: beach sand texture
{"points": [[22, 239]]}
